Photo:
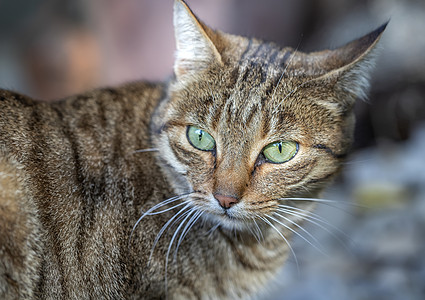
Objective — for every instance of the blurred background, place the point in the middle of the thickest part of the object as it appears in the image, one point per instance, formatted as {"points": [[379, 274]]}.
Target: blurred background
{"points": [[50, 49]]}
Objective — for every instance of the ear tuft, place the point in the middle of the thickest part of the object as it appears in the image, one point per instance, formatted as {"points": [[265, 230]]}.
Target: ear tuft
{"points": [[195, 50]]}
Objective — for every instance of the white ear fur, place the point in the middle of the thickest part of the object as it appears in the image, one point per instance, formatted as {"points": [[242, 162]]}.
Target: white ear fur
{"points": [[356, 80], [195, 50]]}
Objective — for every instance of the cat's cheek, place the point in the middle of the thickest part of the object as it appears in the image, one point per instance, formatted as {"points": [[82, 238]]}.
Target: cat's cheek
{"points": [[201, 172], [274, 181]]}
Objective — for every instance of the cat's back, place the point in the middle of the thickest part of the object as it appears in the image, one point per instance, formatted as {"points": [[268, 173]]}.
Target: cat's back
{"points": [[20, 113]]}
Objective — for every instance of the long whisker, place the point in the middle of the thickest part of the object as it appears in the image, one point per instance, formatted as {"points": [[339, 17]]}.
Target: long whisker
{"points": [[285, 239], [312, 220], [161, 204], [165, 210], [258, 230], [326, 202], [297, 233], [311, 217], [146, 150], [158, 236], [171, 244], [186, 229], [181, 217], [254, 234], [311, 199], [213, 229], [297, 225]]}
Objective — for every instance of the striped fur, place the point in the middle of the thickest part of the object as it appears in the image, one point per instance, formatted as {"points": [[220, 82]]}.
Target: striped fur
{"points": [[102, 196]]}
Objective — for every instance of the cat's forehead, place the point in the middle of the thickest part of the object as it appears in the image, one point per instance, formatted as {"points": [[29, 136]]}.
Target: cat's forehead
{"points": [[258, 90], [266, 54], [258, 61]]}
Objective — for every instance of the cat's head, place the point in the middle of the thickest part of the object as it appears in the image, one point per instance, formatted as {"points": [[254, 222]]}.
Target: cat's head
{"points": [[247, 123]]}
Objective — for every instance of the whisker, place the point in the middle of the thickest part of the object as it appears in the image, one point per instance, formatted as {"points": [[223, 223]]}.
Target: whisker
{"points": [[354, 161], [181, 217], [258, 229], [158, 236], [146, 150], [311, 199], [165, 202], [305, 213], [212, 229], [298, 226], [160, 204], [165, 210], [313, 220], [285, 239], [186, 229], [326, 202], [254, 234], [310, 216], [297, 233], [188, 214]]}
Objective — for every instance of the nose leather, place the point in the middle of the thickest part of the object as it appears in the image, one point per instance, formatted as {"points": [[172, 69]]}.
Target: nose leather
{"points": [[226, 201]]}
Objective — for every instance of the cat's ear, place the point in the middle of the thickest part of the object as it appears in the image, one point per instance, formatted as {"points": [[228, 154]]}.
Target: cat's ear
{"points": [[195, 49], [350, 65]]}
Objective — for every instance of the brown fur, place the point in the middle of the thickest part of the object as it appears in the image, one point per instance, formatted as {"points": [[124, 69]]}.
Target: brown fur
{"points": [[73, 184]]}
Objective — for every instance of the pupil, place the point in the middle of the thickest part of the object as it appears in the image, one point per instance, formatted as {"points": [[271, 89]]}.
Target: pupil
{"points": [[200, 135], [280, 147]]}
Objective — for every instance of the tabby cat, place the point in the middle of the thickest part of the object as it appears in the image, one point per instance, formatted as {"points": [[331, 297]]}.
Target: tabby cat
{"points": [[188, 189]]}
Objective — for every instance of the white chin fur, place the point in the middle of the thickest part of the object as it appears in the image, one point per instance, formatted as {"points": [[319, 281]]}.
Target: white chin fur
{"points": [[233, 219], [226, 222]]}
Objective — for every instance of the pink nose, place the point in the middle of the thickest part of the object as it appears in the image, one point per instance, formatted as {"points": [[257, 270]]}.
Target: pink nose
{"points": [[226, 201]]}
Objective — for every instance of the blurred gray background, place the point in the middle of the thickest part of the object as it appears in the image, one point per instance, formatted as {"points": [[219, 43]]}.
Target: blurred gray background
{"points": [[50, 49]]}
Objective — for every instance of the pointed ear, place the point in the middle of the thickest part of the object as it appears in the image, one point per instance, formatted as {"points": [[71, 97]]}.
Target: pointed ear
{"points": [[351, 64], [195, 49]]}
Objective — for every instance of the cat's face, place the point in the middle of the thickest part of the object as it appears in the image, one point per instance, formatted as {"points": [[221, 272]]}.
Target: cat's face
{"points": [[248, 125]]}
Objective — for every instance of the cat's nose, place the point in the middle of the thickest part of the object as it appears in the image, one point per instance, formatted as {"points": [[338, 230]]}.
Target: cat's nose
{"points": [[226, 201]]}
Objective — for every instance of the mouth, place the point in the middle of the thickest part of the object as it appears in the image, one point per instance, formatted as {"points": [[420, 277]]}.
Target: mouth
{"points": [[232, 218], [228, 219]]}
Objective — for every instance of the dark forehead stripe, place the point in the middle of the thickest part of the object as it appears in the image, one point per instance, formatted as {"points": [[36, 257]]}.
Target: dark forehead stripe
{"points": [[273, 56], [257, 71], [260, 51], [273, 83], [255, 64]]}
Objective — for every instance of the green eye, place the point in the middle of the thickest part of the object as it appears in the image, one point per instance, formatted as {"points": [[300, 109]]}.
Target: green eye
{"points": [[280, 152], [200, 139]]}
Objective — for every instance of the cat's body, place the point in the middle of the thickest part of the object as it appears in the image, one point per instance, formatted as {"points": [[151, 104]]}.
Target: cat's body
{"points": [[73, 183]]}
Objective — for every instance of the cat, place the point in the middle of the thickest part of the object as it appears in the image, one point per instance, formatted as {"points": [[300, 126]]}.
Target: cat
{"points": [[186, 189]]}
